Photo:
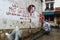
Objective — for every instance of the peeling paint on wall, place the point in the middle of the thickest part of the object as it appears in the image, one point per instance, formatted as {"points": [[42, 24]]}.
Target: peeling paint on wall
{"points": [[12, 12]]}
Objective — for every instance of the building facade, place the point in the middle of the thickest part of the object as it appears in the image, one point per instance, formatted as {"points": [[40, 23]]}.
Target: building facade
{"points": [[57, 15], [57, 11], [51, 10], [48, 9]]}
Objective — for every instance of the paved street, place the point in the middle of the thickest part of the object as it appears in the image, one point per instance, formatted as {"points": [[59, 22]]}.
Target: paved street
{"points": [[54, 35]]}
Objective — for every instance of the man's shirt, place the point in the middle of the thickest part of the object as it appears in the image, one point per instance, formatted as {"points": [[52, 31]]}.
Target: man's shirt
{"points": [[46, 26]]}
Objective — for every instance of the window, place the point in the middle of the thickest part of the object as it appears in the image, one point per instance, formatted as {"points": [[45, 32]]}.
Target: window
{"points": [[49, 17], [51, 6], [41, 0], [49, 0], [46, 0], [47, 6], [52, 0]]}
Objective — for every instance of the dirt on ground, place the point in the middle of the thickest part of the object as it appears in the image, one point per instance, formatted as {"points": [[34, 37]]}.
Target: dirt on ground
{"points": [[54, 35]]}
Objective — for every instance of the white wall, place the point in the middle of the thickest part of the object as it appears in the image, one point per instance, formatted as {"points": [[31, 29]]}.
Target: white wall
{"points": [[44, 6], [5, 4], [57, 3], [12, 21]]}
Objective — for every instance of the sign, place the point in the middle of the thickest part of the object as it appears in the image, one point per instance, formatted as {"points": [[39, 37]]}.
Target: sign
{"points": [[16, 12]]}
